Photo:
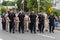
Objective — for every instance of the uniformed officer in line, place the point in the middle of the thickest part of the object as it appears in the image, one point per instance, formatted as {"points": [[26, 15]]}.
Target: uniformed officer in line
{"points": [[26, 22], [11, 17], [41, 22], [21, 23], [16, 21], [51, 22], [33, 22], [46, 24], [7, 21], [3, 21]]}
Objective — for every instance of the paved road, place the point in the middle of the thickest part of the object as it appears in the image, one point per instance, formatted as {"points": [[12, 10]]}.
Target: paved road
{"points": [[28, 36]]}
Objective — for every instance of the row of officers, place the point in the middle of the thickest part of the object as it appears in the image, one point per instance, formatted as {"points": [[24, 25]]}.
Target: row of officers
{"points": [[21, 22]]}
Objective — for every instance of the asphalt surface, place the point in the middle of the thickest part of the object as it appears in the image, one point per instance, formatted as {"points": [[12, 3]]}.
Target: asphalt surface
{"points": [[28, 36]]}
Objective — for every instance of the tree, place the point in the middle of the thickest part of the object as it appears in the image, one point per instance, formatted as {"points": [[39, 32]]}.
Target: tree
{"points": [[19, 3], [45, 5], [56, 12], [4, 3], [3, 9], [11, 3], [29, 4], [32, 5], [8, 3]]}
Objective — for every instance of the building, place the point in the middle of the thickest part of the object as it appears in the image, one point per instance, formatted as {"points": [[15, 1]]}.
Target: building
{"points": [[56, 4], [10, 0], [9, 7], [6, 0], [1, 1]]}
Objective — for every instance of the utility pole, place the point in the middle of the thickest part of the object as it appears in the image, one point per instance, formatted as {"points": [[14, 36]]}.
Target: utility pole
{"points": [[15, 4], [0, 9], [38, 5], [23, 4]]}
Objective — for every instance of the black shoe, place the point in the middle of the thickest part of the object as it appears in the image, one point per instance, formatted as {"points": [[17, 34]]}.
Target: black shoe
{"points": [[30, 32], [34, 32], [13, 32], [22, 32], [52, 31], [19, 32], [46, 30], [9, 32], [42, 32], [6, 31], [37, 30], [27, 31]]}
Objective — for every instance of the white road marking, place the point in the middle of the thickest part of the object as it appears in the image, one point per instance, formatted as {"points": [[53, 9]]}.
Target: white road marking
{"points": [[57, 31], [46, 36]]}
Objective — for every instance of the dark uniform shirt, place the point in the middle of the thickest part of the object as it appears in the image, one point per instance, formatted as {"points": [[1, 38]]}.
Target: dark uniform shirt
{"points": [[3, 17], [33, 17], [21, 17], [41, 18], [11, 17], [51, 18]]}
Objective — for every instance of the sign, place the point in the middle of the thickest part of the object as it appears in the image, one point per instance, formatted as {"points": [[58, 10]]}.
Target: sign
{"points": [[50, 9]]}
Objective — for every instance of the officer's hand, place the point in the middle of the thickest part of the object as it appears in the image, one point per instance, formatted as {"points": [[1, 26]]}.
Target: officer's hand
{"points": [[29, 21], [19, 21], [38, 22], [9, 20], [0, 18]]}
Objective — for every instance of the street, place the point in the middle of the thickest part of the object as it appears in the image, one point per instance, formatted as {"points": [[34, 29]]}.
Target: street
{"points": [[28, 36], [22, 15]]}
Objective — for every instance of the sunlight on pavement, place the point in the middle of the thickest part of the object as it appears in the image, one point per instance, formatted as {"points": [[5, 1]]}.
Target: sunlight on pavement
{"points": [[1, 39], [47, 36]]}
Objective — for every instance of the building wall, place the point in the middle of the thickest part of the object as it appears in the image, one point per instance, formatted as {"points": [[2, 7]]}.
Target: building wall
{"points": [[1, 1], [56, 4], [6, 0], [10, 0]]}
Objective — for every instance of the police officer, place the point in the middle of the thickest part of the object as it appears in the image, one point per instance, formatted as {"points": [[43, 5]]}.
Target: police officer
{"points": [[51, 22], [41, 22], [33, 22], [16, 20], [26, 22], [7, 21], [3, 21], [11, 17], [21, 23]]}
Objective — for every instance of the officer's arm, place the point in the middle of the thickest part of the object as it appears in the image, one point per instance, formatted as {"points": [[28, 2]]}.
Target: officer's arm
{"points": [[18, 15], [48, 17], [44, 18], [38, 19], [23, 15], [29, 19], [9, 17], [1, 18], [56, 18]]}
